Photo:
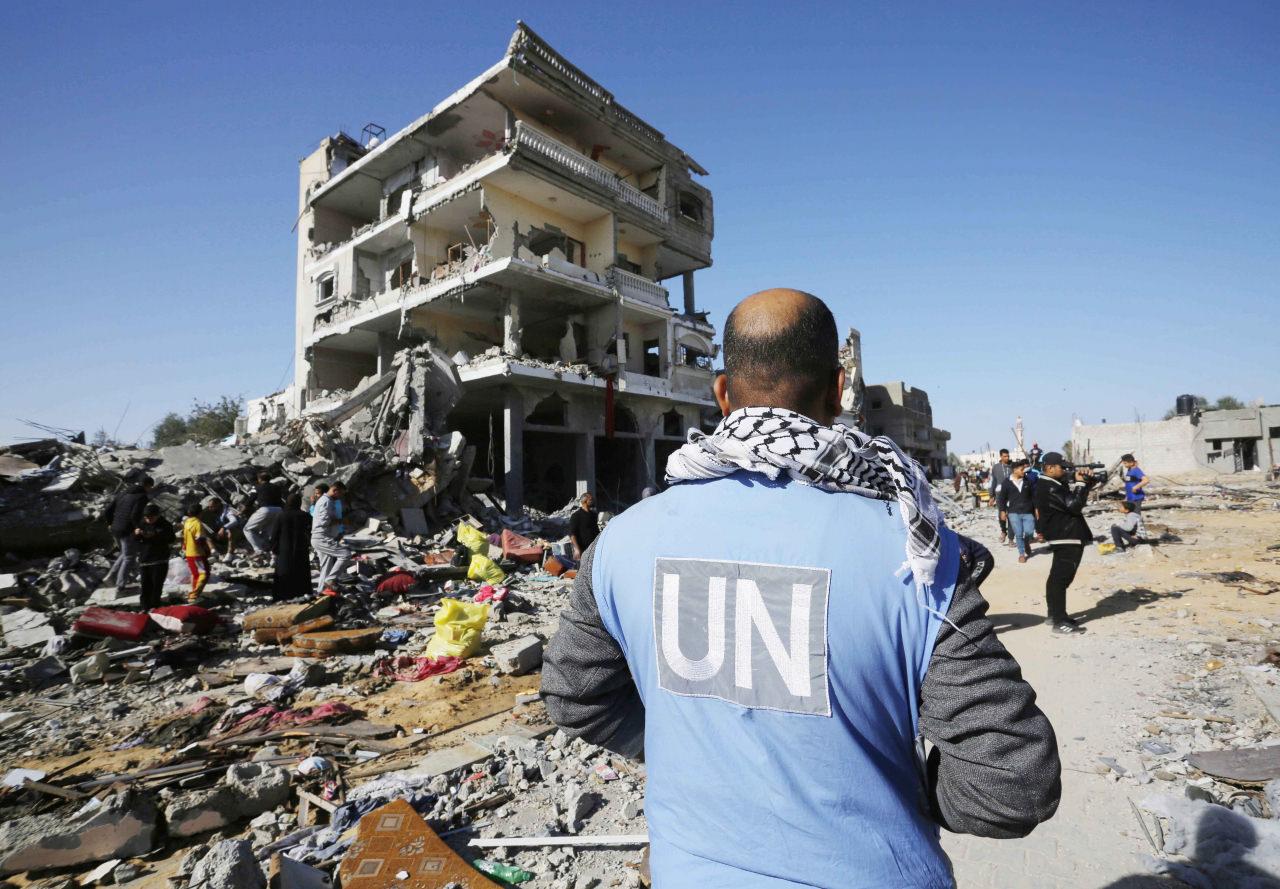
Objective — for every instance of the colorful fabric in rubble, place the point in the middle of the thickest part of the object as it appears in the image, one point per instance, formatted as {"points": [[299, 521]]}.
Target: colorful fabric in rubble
{"points": [[405, 668], [270, 718]]}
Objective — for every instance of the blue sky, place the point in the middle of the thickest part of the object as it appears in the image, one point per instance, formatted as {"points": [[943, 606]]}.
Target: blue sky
{"points": [[1045, 212]]}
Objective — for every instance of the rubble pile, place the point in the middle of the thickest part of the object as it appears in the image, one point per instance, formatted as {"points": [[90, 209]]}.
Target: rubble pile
{"points": [[239, 739]]}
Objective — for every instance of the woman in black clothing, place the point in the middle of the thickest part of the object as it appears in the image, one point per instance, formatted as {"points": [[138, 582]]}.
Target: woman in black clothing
{"points": [[292, 545]]}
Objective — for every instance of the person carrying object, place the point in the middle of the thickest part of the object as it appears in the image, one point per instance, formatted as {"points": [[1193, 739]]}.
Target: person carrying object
{"points": [[780, 631]]}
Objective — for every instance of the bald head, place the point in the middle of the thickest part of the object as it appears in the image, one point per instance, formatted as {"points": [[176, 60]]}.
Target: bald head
{"points": [[781, 350]]}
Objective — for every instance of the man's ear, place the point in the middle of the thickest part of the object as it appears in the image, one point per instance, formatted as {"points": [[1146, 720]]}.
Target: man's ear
{"points": [[720, 389], [834, 394]]}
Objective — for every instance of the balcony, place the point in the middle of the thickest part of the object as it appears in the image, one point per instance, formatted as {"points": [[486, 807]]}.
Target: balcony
{"points": [[583, 167], [640, 289]]}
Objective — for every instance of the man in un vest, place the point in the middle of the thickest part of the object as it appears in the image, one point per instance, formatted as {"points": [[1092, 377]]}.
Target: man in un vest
{"points": [[782, 631]]}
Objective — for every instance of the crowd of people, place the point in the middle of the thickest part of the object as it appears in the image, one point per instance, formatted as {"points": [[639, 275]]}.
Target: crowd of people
{"points": [[1041, 498], [273, 524]]}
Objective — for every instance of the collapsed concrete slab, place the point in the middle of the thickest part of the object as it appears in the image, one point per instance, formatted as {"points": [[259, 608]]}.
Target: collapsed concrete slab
{"points": [[251, 788], [123, 826]]}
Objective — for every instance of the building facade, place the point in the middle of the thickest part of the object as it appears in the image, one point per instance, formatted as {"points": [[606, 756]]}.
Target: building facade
{"points": [[527, 226], [1243, 440], [904, 414]]}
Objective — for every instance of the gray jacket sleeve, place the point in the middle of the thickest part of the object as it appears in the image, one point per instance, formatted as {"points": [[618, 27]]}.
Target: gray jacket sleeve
{"points": [[994, 768], [586, 683]]}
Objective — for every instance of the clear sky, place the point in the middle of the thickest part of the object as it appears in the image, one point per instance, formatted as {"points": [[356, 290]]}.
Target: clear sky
{"points": [[1035, 211]]}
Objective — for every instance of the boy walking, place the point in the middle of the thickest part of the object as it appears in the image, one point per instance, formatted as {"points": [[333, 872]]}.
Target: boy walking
{"points": [[1135, 482], [196, 547]]}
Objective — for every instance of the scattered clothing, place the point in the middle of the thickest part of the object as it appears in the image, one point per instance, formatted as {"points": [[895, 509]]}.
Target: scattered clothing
{"points": [[404, 668]]}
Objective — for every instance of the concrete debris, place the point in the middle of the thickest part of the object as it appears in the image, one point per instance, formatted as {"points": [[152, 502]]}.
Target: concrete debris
{"points": [[518, 656], [230, 864], [122, 826]]}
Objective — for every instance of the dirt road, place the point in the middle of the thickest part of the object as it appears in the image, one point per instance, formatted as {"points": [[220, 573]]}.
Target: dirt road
{"points": [[1143, 654]]}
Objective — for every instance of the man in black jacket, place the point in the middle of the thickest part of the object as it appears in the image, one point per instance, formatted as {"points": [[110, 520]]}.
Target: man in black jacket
{"points": [[1000, 473], [1016, 503], [1060, 521], [124, 515]]}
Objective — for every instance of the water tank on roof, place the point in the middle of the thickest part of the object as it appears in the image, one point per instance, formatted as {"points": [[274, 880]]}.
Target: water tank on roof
{"points": [[1186, 405]]}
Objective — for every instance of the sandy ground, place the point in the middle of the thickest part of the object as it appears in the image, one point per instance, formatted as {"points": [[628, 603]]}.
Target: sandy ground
{"points": [[1100, 688]]}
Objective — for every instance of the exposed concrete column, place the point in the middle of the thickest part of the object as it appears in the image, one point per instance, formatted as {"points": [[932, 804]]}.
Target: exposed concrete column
{"points": [[513, 451], [649, 451], [511, 323], [386, 351], [690, 306], [585, 460]]}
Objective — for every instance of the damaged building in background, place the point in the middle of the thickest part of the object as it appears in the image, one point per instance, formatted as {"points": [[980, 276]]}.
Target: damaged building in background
{"points": [[904, 414], [526, 228]]}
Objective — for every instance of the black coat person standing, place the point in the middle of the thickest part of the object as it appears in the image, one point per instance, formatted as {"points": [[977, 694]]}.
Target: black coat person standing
{"points": [[1060, 521], [291, 543]]}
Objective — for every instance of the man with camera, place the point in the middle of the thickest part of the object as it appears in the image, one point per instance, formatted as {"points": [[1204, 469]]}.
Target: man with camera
{"points": [[1061, 494]]}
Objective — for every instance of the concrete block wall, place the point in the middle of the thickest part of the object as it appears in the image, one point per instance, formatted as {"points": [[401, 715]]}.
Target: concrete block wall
{"points": [[1162, 447]]}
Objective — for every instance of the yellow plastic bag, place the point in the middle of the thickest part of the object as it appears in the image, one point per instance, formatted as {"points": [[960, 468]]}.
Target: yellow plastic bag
{"points": [[486, 569], [473, 539], [1106, 549], [458, 629]]}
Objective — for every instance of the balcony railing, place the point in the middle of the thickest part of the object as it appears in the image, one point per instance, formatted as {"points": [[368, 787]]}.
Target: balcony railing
{"points": [[581, 165], [638, 288]]}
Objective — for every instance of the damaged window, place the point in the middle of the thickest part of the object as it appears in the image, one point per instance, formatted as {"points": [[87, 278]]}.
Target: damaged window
{"points": [[691, 357], [691, 207], [544, 240], [877, 404], [551, 411], [672, 423], [652, 358], [402, 276], [325, 289]]}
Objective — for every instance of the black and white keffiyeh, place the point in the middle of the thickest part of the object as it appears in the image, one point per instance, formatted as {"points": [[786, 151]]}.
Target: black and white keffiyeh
{"points": [[773, 441]]}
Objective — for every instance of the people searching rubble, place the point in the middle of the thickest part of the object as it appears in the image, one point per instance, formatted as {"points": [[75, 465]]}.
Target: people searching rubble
{"points": [[268, 502], [124, 514], [1016, 502], [755, 633], [1000, 473], [326, 537], [197, 547], [1060, 521], [291, 543], [156, 538], [584, 525]]}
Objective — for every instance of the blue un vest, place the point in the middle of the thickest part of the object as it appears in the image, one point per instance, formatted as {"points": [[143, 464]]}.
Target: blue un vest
{"points": [[780, 663]]}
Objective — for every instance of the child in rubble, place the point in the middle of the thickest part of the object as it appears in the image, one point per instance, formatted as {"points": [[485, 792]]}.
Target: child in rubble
{"points": [[156, 535], [1125, 532], [196, 548]]}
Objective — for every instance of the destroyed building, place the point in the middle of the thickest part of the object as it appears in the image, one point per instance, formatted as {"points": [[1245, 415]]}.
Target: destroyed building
{"points": [[527, 227], [1193, 440], [904, 414]]}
